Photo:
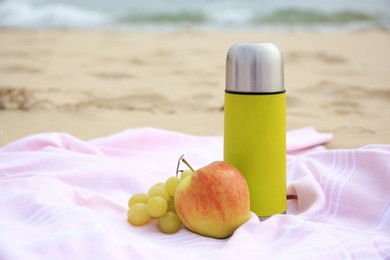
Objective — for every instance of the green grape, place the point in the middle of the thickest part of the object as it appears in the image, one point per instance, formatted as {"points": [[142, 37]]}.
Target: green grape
{"points": [[169, 223], [171, 205], [158, 191], [171, 185], [185, 174], [160, 184], [138, 198], [138, 215], [156, 206]]}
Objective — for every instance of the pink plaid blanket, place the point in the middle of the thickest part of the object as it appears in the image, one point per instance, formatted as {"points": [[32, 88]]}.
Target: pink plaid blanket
{"points": [[63, 198]]}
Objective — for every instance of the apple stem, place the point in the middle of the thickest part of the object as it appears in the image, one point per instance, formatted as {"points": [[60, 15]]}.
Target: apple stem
{"points": [[189, 166], [178, 165]]}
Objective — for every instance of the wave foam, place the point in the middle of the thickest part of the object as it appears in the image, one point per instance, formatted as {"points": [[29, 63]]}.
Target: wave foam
{"points": [[56, 15]]}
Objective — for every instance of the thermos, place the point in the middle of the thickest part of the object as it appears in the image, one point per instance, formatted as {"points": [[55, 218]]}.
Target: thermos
{"points": [[255, 123]]}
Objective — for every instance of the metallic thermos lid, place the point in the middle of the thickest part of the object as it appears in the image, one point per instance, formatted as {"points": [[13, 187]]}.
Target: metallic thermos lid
{"points": [[254, 68]]}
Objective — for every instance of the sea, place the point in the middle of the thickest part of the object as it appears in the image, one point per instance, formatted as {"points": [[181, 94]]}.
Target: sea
{"points": [[143, 15]]}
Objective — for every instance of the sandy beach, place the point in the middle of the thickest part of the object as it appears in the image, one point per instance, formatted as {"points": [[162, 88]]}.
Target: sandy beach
{"points": [[97, 83]]}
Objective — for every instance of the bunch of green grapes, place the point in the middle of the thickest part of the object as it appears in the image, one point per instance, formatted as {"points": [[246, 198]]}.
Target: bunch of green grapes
{"points": [[157, 203]]}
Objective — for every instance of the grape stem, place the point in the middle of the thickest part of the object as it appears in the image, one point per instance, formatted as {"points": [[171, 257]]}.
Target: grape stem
{"points": [[178, 165], [189, 166]]}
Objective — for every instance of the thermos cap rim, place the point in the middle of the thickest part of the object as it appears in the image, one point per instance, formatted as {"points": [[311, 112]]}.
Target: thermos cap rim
{"points": [[254, 93]]}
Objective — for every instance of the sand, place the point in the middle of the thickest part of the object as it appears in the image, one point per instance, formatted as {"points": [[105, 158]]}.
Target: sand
{"points": [[92, 84]]}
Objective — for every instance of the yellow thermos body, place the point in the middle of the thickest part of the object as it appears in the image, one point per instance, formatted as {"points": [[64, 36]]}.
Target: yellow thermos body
{"points": [[255, 123]]}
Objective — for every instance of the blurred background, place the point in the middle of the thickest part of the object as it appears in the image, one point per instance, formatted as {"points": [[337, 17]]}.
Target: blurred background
{"points": [[95, 68], [200, 14]]}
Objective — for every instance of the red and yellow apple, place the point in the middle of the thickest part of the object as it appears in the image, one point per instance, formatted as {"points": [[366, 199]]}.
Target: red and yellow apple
{"points": [[213, 201]]}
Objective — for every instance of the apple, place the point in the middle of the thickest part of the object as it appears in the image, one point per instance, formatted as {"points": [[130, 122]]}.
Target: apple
{"points": [[214, 200]]}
